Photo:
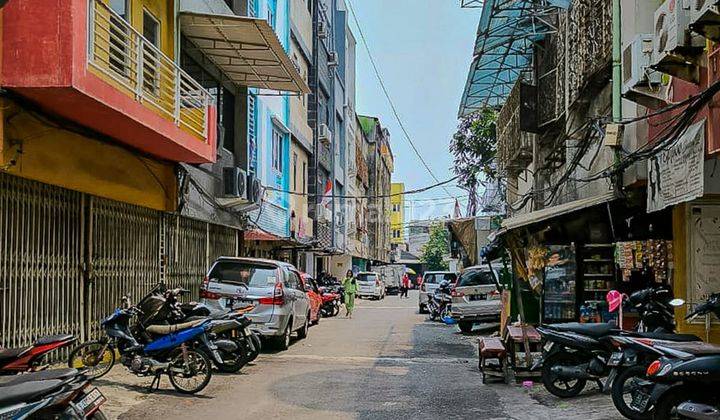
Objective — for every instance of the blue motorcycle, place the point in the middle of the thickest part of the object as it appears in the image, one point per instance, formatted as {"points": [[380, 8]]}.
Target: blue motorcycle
{"points": [[173, 353]]}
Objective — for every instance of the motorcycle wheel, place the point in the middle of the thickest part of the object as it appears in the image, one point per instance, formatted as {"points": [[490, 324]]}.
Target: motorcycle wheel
{"points": [[232, 362], [96, 357], [665, 409], [624, 386], [560, 387], [336, 309], [192, 376]]}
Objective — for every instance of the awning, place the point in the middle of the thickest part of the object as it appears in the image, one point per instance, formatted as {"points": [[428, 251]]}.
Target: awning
{"points": [[245, 49], [555, 211], [259, 235]]}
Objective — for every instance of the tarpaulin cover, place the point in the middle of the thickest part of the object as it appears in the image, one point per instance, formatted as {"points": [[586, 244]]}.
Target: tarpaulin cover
{"points": [[464, 231]]}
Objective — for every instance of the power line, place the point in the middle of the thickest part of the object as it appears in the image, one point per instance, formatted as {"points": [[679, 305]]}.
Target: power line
{"points": [[389, 99], [369, 197]]}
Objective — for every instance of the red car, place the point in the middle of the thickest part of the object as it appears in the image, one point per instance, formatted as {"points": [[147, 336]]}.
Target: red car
{"points": [[314, 296]]}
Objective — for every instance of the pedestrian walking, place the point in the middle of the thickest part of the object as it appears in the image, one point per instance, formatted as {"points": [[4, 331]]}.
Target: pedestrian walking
{"points": [[350, 285], [405, 286]]}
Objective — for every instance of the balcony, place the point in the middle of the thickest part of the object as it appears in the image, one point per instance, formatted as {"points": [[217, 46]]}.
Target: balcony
{"points": [[97, 70], [514, 147]]}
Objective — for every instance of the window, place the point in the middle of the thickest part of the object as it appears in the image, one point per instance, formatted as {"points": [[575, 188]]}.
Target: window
{"points": [[293, 280], [253, 275], [277, 145], [227, 122], [304, 178], [272, 7], [396, 208], [477, 278], [151, 62], [119, 36], [294, 170], [396, 234]]}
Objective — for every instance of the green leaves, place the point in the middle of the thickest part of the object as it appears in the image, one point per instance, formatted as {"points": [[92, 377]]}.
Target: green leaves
{"points": [[437, 248]]}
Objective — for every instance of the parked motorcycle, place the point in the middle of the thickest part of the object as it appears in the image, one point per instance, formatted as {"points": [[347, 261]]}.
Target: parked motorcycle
{"points": [[61, 393], [30, 358], [440, 302], [174, 353], [634, 355], [331, 302], [686, 373], [574, 353]]}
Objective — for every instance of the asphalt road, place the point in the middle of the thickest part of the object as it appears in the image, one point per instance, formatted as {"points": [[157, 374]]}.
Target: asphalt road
{"points": [[387, 362]]}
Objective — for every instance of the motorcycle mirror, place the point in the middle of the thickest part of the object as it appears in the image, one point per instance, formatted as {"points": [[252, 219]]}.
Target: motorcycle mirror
{"points": [[677, 302]]}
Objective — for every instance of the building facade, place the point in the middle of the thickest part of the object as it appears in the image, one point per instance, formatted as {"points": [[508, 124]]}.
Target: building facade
{"points": [[397, 214]]}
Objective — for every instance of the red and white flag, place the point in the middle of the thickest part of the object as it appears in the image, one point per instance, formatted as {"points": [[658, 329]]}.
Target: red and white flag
{"points": [[327, 195], [458, 212]]}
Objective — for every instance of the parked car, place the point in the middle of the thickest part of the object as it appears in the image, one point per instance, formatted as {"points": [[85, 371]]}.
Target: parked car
{"points": [[476, 297], [430, 282], [275, 288], [314, 296], [370, 285]]}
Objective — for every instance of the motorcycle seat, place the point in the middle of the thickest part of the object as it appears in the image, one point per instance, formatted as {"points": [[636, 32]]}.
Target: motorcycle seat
{"points": [[28, 391], [696, 348], [169, 329], [53, 339], [7, 355], [681, 338], [43, 375], [590, 329]]}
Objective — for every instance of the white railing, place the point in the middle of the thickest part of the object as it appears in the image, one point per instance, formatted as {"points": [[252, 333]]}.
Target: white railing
{"points": [[120, 52]]}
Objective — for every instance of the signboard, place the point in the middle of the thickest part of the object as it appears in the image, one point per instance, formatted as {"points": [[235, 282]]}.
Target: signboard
{"points": [[676, 175]]}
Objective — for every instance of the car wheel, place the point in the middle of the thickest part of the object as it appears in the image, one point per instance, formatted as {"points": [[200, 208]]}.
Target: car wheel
{"points": [[303, 332], [465, 326], [283, 342]]}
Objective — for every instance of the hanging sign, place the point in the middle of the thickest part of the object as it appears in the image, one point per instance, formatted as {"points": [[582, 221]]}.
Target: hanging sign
{"points": [[675, 175]]}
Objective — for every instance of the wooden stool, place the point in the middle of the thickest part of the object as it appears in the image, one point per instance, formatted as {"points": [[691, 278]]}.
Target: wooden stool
{"points": [[515, 343], [492, 349]]}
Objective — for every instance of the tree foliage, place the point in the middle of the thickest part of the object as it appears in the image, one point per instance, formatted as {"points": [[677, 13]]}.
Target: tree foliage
{"points": [[436, 248], [474, 147]]}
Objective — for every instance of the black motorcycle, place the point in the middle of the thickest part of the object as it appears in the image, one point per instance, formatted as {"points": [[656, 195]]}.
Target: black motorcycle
{"points": [[440, 302], [574, 353], [686, 373], [59, 393]]}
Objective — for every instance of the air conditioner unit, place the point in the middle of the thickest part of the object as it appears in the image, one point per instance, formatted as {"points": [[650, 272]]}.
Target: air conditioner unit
{"points": [[234, 182], [641, 84], [324, 134], [333, 59], [322, 30], [255, 190], [705, 18], [676, 49]]}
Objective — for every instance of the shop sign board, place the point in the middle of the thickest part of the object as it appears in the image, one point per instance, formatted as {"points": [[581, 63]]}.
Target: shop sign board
{"points": [[676, 175]]}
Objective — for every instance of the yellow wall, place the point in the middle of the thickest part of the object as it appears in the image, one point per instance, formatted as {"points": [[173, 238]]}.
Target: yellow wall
{"points": [[69, 160], [397, 218], [681, 276]]}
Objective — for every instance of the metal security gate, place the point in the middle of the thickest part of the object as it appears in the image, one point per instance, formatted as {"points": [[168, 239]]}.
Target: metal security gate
{"points": [[41, 259], [66, 258]]}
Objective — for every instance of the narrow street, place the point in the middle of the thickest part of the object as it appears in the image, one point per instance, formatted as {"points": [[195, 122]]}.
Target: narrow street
{"points": [[387, 362]]}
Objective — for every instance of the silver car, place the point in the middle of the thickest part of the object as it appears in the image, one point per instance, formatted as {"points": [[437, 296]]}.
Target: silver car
{"points": [[430, 282], [476, 297], [274, 287]]}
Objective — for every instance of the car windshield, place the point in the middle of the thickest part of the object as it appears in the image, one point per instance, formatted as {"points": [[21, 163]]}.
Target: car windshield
{"points": [[436, 278], [366, 277], [235, 272], [476, 278]]}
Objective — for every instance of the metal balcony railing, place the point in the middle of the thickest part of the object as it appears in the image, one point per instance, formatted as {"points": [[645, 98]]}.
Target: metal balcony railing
{"points": [[131, 61]]}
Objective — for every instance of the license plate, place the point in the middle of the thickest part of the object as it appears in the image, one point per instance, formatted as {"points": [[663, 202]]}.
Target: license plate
{"points": [[230, 303], [640, 401], [548, 346], [481, 296], [247, 331], [615, 359], [91, 401]]}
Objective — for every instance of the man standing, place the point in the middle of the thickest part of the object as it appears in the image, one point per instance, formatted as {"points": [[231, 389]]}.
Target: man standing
{"points": [[405, 286]]}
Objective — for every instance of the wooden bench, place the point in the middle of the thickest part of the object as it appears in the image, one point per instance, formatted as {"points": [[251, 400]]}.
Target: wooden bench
{"points": [[515, 342], [492, 349]]}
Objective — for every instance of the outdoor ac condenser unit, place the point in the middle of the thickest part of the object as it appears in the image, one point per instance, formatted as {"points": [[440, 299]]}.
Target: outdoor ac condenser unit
{"points": [[234, 182], [333, 59], [676, 48], [705, 18], [641, 84], [324, 134]]}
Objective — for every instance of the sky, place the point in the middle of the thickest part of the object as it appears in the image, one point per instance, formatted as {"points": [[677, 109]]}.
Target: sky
{"points": [[423, 49]]}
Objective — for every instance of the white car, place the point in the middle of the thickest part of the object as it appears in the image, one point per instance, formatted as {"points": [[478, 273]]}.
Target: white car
{"points": [[370, 285]]}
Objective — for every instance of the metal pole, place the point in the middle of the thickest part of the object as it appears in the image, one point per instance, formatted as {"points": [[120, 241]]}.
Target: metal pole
{"points": [[617, 61]]}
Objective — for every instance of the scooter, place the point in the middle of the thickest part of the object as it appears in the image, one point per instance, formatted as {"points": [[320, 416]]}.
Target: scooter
{"points": [[574, 353], [61, 393], [440, 302], [331, 302], [174, 353], [30, 358]]}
